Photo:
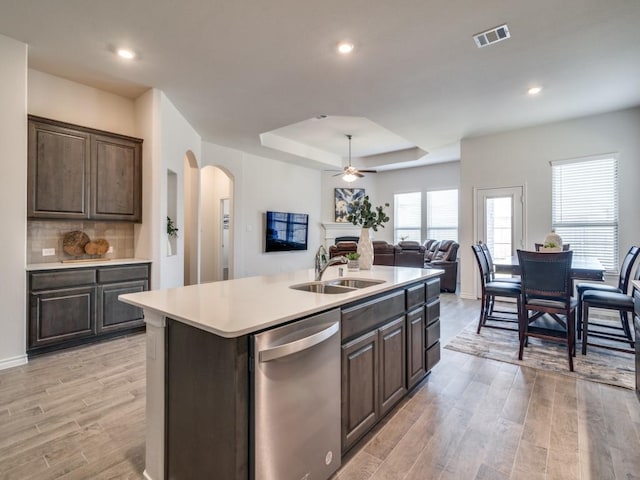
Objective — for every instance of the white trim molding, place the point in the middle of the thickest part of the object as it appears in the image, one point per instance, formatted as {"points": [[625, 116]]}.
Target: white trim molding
{"points": [[13, 361]]}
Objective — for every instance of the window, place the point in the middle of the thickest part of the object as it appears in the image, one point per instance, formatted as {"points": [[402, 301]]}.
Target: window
{"points": [[442, 215], [585, 207], [407, 208]]}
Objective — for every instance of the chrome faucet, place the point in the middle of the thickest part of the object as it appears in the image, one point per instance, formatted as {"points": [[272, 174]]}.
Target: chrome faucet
{"points": [[322, 263]]}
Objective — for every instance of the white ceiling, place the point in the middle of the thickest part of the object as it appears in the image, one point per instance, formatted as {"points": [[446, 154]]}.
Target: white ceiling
{"points": [[237, 69]]}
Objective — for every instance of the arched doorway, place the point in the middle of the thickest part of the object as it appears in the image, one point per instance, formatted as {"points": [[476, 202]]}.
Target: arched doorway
{"points": [[191, 219], [216, 203]]}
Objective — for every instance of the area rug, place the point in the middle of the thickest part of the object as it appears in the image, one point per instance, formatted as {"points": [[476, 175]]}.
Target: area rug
{"points": [[598, 365]]}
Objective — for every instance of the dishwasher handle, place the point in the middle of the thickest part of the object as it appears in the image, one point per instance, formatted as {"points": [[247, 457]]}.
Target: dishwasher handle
{"points": [[274, 353]]}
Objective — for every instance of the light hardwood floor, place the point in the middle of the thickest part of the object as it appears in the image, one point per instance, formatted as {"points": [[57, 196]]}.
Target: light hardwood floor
{"points": [[79, 414]]}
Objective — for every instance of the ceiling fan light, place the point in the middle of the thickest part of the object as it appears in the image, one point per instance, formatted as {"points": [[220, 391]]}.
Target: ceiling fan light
{"points": [[349, 177]]}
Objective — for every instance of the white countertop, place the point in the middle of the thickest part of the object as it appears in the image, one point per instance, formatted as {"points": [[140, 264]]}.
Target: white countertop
{"points": [[98, 263], [237, 307]]}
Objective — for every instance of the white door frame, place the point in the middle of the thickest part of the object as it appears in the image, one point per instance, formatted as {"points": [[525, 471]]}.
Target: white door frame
{"points": [[478, 216]]}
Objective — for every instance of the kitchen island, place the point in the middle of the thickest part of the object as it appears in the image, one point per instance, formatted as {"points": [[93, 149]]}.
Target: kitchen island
{"points": [[199, 384]]}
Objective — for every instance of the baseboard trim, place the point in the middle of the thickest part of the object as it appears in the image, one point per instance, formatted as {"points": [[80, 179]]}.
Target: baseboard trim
{"points": [[146, 475], [13, 361]]}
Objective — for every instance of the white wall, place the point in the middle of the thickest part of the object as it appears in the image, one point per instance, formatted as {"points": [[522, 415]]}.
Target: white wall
{"points": [[522, 157], [13, 201], [261, 184], [383, 185], [176, 138], [54, 97]]}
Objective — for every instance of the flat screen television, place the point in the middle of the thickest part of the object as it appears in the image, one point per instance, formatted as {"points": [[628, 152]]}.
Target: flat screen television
{"points": [[286, 231]]}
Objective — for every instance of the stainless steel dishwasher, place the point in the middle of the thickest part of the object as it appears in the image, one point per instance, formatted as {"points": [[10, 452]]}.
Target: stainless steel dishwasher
{"points": [[296, 395]]}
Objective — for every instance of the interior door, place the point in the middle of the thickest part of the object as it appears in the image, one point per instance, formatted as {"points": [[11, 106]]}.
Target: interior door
{"points": [[500, 220]]}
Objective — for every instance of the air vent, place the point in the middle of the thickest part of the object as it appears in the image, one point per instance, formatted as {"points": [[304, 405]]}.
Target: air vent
{"points": [[494, 35]]}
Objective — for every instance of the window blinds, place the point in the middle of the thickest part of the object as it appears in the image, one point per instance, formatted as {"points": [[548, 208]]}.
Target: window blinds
{"points": [[442, 215], [407, 216], [585, 207]]}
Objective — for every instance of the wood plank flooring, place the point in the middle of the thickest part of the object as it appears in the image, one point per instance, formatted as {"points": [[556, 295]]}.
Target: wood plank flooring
{"points": [[79, 414]]}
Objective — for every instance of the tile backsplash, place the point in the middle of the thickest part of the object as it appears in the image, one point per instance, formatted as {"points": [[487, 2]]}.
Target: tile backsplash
{"points": [[48, 234]]}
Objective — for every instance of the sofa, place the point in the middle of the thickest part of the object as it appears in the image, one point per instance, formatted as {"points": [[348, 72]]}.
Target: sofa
{"points": [[443, 254], [432, 253], [383, 252]]}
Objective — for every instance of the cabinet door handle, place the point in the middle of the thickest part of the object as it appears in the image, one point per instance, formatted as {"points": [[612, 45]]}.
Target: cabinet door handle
{"points": [[269, 354]]}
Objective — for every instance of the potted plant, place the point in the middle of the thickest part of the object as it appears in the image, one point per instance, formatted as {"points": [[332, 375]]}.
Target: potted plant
{"points": [[363, 214], [172, 233], [352, 261], [549, 247]]}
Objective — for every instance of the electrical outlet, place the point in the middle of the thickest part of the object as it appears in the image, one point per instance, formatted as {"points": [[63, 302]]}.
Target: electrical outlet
{"points": [[110, 250], [47, 252]]}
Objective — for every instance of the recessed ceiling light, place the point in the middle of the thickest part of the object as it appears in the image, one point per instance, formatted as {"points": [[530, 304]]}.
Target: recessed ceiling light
{"points": [[534, 90], [345, 47], [126, 53]]}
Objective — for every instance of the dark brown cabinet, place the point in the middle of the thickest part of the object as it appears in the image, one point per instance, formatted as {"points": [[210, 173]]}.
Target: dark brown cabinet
{"points": [[415, 346], [72, 306], [61, 315], [81, 173], [389, 344], [393, 364], [360, 387]]}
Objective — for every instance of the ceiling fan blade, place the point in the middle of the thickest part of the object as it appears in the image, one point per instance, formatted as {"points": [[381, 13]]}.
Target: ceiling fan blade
{"points": [[358, 174], [368, 171]]}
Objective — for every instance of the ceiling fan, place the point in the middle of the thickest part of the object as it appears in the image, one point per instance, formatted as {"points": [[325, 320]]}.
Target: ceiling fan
{"points": [[351, 173]]}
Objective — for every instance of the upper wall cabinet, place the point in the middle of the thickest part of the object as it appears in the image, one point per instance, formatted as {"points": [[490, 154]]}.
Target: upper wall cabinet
{"points": [[81, 173]]}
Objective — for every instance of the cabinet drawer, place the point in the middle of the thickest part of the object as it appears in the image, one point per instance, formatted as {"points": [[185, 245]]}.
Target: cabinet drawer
{"points": [[433, 311], [365, 316], [61, 279], [433, 288], [121, 274], [433, 333], [433, 356], [415, 296]]}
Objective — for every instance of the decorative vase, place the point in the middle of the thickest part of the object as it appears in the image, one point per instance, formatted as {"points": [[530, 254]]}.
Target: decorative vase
{"points": [[353, 265], [169, 249], [365, 249]]}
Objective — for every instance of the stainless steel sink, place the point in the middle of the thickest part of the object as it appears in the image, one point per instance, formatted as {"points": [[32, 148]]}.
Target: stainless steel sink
{"points": [[339, 285], [320, 287], [355, 282]]}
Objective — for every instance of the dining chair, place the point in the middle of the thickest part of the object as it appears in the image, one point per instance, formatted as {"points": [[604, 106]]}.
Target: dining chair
{"points": [[624, 278], [565, 247], [492, 270], [494, 289], [608, 300], [546, 291]]}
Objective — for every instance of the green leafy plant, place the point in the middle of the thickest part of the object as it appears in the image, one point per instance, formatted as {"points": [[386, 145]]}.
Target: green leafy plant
{"points": [[172, 230], [352, 256], [550, 245], [362, 214]]}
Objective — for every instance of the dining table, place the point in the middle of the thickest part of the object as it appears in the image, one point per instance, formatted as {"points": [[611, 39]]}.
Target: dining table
{"points": [[582, 267]]}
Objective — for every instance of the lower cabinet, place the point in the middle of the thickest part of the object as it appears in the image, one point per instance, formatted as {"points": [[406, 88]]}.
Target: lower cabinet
{"points": [[393, 363], [390, 343], [415, 346], [72, 306], [373, 378], [61, 315], [116, 315], [360, 387]]}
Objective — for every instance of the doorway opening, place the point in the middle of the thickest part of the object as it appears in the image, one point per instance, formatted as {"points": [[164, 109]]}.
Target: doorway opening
{"points": [[216, 226], [500, 220]]}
